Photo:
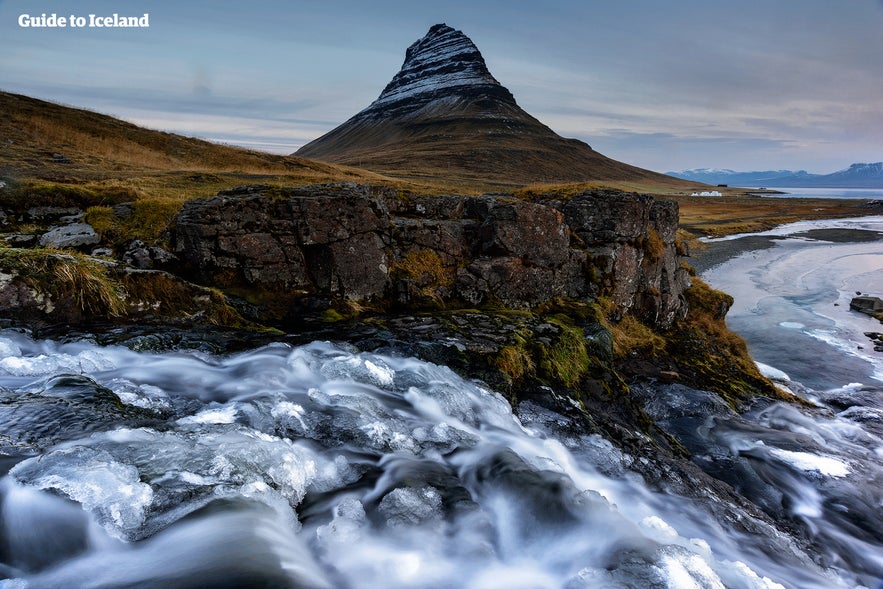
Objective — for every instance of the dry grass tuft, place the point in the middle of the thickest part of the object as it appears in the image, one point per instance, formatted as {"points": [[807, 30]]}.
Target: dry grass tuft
{"points": [[69, 277]]}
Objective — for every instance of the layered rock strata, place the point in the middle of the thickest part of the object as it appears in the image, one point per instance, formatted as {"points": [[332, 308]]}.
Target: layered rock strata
{"points": [[320, 244]]}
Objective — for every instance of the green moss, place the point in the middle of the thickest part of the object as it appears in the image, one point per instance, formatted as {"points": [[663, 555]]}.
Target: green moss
{"points": [[332, 316]]}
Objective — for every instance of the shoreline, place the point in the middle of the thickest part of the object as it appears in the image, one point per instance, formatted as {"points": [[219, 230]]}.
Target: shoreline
{"points": [[721, 249]]}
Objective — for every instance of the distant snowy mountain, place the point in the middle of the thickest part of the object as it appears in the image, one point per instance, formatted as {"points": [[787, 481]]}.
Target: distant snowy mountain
{"points": [[855, 176]]}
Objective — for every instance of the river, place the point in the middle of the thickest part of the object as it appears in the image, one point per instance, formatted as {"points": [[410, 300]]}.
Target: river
{"points": [[320, 466]]}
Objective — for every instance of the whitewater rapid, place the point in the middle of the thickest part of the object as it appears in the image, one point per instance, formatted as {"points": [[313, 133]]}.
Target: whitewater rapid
{"points": [[319, 466]]}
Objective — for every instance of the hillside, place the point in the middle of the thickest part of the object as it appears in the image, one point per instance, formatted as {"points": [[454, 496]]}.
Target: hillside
{"points": [[445, 115], [48, 141]]}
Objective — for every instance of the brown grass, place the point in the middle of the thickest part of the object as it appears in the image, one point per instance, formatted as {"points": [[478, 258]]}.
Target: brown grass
{"points": [[718, 216], [630, 336], [114, 161], [150, 221], [66, 276]]}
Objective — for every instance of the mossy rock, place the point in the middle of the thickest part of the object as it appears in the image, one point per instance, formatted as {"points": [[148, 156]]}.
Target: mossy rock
{"points": [[46, 286]]}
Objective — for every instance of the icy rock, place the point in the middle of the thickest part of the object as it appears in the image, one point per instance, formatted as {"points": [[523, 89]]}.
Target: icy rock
{"points": [[112, 491], [410, 506]]}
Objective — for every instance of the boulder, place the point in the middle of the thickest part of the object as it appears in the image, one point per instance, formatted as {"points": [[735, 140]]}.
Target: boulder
{"points": [[606, 216], [140, 255], [70, 236], [866, 304]]}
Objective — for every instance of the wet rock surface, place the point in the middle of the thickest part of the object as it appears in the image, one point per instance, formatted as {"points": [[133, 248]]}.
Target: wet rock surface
{"points": [[866, 304]]}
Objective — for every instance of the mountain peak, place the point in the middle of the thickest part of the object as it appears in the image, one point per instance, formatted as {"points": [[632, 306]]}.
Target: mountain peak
{"points": [[443, 62], [444, 114]]}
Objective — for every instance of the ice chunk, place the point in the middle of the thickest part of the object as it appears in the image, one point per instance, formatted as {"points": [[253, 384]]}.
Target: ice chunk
{"points": [[87, 361], [110, 490], [217, 416], [688, 571], [741, 575], [772, 373], [658, 529], [349, 518], [8, 348], [409, 506], [824, 465]]}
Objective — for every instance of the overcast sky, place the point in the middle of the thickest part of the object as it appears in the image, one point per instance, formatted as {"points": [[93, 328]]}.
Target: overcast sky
{"points": [[747, 85]]}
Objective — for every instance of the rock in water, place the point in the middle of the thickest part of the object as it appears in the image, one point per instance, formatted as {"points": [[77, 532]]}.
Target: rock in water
{"points": [[866, 304]]}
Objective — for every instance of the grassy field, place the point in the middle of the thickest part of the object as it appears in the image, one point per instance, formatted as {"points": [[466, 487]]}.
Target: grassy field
{"points": [[742, 213], [55, 154]]}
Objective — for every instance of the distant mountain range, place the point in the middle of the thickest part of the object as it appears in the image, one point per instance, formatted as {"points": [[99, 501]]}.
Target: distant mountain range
{"points": [[855, 176]]}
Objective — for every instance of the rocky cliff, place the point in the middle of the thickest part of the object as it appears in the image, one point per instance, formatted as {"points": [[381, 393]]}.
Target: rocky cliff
{"points": [[312, 247]]}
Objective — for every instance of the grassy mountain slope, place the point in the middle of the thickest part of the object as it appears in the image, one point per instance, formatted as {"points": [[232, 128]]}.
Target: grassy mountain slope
{"points": [[470, 140], [97, 148]]}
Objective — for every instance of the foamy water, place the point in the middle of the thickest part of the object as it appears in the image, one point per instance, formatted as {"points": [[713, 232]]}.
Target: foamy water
{"points": [[316, 466]]}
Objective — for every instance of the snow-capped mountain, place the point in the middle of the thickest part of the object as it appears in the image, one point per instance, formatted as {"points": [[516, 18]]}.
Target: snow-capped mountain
{"points": [[442, 63], [444, 114], [855, 176]]}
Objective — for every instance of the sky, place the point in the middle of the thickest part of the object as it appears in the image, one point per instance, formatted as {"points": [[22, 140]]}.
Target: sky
{"points": [[668, 86]]}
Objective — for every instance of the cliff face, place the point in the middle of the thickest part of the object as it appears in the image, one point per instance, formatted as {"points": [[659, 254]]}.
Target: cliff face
{"points": [[313, 245]]}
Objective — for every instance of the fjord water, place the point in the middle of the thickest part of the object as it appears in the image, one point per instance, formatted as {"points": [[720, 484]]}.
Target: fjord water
{"points": [[320, 466], [854, 193]]}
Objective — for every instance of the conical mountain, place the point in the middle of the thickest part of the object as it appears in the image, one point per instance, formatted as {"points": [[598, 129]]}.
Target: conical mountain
{"points": [[445, 115]]}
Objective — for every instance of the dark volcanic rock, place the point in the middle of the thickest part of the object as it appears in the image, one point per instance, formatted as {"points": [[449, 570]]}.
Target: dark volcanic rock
{"points": [[866, 304], [360, 243], [608, 216], [442, 63], [142, 256], [294, 239]]}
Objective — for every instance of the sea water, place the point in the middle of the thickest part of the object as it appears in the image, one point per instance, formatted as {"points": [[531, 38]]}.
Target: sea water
{"points": [[856, 193]]}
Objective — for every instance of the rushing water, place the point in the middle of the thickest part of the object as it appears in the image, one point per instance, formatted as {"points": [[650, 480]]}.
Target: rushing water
{"points": [[318, 466]]}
